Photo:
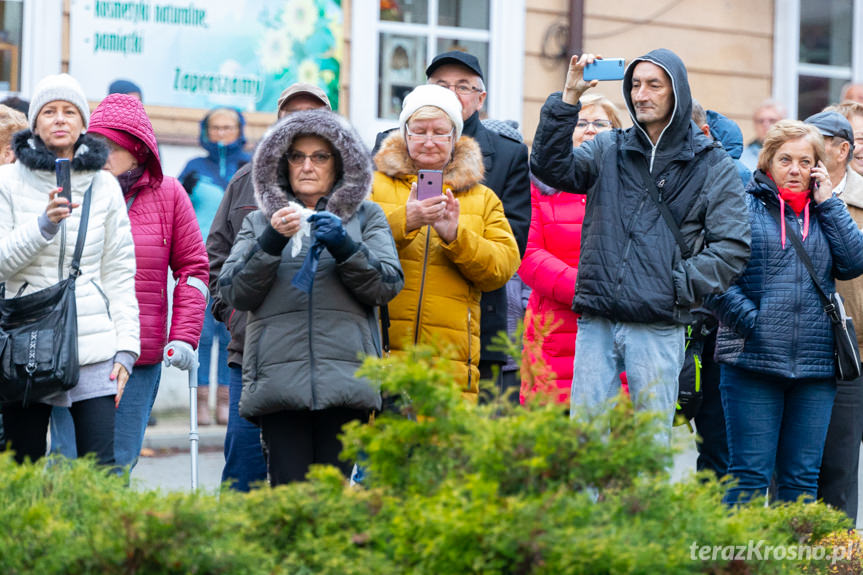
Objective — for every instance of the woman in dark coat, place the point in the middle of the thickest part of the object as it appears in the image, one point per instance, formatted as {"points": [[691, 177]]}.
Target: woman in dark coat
{"points": [[310, 266], [775, 341]]}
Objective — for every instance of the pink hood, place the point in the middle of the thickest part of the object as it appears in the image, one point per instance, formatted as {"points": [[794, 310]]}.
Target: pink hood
{"points": [[166, 234]]}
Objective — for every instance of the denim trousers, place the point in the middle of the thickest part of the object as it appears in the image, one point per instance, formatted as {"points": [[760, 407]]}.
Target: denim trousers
{"points": [[650, 354], [130, 420], [244, 457], [775, 426], [213, 332], [133, 413], [837, 482]]}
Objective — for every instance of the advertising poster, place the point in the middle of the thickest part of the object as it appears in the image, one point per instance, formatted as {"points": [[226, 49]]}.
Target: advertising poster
{"points": [[200, 54]]}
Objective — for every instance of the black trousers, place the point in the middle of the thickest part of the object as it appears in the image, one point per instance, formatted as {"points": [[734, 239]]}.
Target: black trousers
{"points": [[27, 428], [294, 440], [837, 482], [710, 420]]}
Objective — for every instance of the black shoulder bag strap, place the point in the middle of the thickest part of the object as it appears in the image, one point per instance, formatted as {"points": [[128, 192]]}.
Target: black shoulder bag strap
{"points": [[75, 266], [685, 250], [829, 308]]}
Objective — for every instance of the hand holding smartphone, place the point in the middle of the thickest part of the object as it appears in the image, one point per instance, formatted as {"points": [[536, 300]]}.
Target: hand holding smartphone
{"points": [[429, 184], [63, 170]]}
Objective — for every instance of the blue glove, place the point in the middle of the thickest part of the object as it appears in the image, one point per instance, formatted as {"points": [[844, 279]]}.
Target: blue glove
{"points": [[329, 230], [305, 277]]}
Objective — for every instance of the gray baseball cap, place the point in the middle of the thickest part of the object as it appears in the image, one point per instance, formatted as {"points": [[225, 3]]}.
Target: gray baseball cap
{"points": [[302, 88], [832, 124]]}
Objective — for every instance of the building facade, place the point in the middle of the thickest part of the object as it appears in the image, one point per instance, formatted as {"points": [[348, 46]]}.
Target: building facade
{"points": [[738, 52]]}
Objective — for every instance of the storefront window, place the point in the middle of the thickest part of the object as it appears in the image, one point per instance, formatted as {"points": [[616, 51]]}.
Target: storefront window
{"points": [[826, 42], [11, 22], [413, 31]]}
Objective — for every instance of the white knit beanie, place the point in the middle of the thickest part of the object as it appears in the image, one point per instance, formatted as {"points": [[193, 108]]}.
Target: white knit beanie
{"points": [[432, 95], [58, 87]]}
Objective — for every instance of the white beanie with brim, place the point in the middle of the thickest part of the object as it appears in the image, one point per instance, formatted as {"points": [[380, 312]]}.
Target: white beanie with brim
{"points": [[58, 87], [432, 95]]}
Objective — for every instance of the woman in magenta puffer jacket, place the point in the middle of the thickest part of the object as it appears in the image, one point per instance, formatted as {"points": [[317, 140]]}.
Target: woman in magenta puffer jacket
{"points": [[166, 235], [550, 263]]}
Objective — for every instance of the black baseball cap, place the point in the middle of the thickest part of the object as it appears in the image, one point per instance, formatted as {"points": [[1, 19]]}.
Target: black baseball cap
{"points": [[469, 61], [832, 124]]}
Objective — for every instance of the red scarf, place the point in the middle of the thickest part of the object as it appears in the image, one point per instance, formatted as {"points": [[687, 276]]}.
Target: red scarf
{"points": [[799, 202]]}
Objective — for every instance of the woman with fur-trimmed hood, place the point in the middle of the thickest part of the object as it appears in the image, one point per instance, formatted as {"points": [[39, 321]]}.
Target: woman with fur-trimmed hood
{"points": [[452, 246], [310, 267]]}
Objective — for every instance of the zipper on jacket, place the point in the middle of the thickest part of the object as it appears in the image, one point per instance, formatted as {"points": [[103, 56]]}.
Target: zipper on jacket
{"points": [[310, 331], [469, 356], [62, 252], [422, 286], [627, 247], [311, 355], [104, 297]]}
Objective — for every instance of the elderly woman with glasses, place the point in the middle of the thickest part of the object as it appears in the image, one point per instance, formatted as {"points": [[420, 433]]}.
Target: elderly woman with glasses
{"points": [[453, 245], [311, 267]]}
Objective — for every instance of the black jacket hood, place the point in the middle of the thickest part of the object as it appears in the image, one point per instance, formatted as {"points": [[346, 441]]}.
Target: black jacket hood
{"points": [[678, 129]]}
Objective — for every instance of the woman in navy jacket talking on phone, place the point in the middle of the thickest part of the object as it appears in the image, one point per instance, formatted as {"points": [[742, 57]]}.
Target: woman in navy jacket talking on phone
{"points": [[775, 341]]}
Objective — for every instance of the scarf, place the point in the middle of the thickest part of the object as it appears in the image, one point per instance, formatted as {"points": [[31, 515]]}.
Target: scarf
{"points": [[130, 178], [798, 202]]}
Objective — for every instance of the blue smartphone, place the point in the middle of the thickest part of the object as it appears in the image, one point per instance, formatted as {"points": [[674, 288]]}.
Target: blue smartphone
{"points": [[63, 169], [429, 184], [606, 69]]}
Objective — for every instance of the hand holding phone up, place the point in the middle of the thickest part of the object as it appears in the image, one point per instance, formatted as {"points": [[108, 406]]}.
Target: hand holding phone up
{"points": [[426, 203], [60, 199]]}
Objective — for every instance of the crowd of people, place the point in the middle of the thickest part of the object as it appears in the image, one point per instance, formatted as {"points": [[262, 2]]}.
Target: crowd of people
{"points": [[615, 245]]}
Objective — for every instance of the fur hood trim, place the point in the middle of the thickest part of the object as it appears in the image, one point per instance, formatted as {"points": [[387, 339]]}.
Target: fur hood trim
{"points": [[269, 167], [90, 153], [462, 173]]}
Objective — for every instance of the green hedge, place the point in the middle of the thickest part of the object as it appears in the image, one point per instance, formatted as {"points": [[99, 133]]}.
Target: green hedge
{"points": [[452, 488]]}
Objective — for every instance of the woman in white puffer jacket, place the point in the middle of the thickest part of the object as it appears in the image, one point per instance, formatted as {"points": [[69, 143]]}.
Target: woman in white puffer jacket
{"points": [[33, 242]]}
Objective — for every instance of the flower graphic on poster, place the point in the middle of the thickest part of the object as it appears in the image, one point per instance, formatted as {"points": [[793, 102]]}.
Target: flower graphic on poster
{"points": [[302, 42], [300, 17], [275, 50], [309, 72]]}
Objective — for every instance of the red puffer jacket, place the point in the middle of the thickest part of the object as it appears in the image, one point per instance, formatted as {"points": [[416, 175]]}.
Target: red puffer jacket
{"points": [[550, 267], [166, 234]]}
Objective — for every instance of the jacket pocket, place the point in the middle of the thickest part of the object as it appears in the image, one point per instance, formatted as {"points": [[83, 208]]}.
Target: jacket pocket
{"points": [[104, 298]]}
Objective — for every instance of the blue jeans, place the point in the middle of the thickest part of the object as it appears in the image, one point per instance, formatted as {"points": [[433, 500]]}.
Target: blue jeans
{"points": [[130, 423], [774, 423], [650, 354], [63, 432], [244, 458], [213, 331], [130, 418]]}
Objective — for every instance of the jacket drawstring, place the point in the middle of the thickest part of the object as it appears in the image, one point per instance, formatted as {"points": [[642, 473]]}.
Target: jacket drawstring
{"points": [[804, 232]]}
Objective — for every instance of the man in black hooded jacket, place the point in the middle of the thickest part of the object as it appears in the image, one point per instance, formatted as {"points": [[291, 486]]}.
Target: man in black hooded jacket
{"points": [[635, 289]]}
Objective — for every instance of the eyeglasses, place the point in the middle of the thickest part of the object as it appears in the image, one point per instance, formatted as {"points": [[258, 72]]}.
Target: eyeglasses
{"points": [[597, 124], [223, 128], [299, 158], [460, 89], [436, 138]]}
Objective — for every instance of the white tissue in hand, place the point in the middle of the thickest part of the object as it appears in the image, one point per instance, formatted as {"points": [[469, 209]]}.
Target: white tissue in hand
{"points": [[305, 229]]}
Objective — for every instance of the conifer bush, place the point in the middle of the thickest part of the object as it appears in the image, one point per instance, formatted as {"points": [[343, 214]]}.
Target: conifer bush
{"points": [[451, 487]]}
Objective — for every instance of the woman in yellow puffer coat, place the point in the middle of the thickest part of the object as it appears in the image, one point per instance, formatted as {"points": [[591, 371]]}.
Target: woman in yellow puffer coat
{"points": [[452, 246]]}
